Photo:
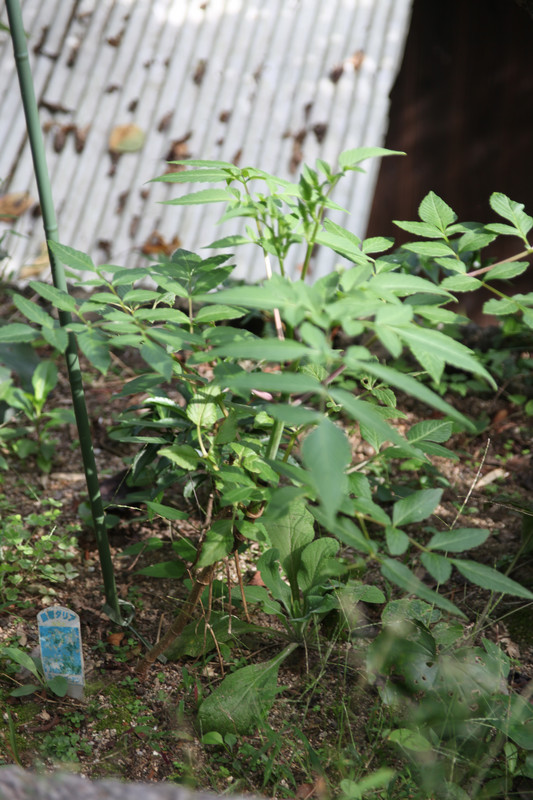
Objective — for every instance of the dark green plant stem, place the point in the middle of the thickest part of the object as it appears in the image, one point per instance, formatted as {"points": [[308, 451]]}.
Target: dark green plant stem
{"points": [[31, 113]]}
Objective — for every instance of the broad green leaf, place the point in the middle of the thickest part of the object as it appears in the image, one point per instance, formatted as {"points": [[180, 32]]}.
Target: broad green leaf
{"points": [[17, 332], [410, 740], [165, 569], [402, 576], [349, 158], [438, 567], [26, 689], [157, 358], [74, 259], [22, 658], [326, 453], [44, 379], [289, 534], [435, 211], [397, 541], [433, 430], [96, 349], [512, 211], [202, 409], [59, 299], [318, 563], [217, 544], [243, 698], [201, 197], [295, 416], [458, 540], [183, 455], [167, 512], [489, 578], [56, 338], [416, 506]]}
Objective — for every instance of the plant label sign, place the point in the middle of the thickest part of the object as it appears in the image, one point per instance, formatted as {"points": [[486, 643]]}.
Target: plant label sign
{"points": [[60, 641]]}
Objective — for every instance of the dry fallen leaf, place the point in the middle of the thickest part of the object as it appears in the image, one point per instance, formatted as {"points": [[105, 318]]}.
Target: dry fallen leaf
{"points": [[126, 139], [13, 205], [38, 265]]}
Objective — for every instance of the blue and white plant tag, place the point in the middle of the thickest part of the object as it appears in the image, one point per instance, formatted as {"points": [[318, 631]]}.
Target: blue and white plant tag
{"points": [[60, 641]]}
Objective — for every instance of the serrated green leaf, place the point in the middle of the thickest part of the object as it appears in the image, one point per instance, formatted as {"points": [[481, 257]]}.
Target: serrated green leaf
{"points": [[416, 507], [443, 347], [318, 563], [74, 259], [162, 315], [435, 211], [507, 271], [216, 313], [489, 578], [349, 158], [433, 430], [429, 249], [420, 229], [202, 197], [402, 576], [460, 283], [17, 332], [512, 211], [33, 312], [57, 297], [458, 540], [207, 175]]}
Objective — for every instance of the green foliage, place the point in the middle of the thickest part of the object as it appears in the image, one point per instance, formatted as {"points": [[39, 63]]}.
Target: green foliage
{"points": [[261, 425], [33, 554], [58, 685], [33, 438]]}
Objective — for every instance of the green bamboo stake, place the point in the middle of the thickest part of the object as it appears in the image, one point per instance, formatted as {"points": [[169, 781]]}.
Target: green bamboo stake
{"points": [[18, 37]]}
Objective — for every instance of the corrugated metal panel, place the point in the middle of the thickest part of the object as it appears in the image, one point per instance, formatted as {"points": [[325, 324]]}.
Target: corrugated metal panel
{"points": [[261, 82]]}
